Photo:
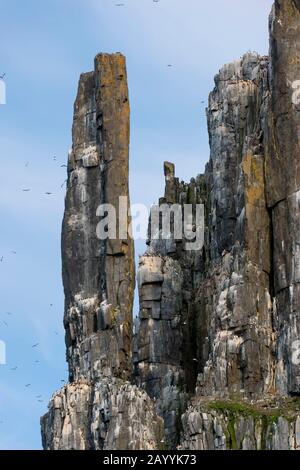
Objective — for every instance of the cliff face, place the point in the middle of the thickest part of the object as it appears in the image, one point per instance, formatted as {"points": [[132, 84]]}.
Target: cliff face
{"points": [[215, 345], [99, 409]]}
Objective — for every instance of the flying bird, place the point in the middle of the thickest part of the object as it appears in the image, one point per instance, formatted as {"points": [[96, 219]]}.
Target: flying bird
{"points": [[120, 5], [27, 385], [25, 190], [37, 361], [39, 396], [5, 323], [54, 158], [35, 345], [63, 166], [14, 368], [2, 76], [48, 194], [14, 252], [1, 259]]}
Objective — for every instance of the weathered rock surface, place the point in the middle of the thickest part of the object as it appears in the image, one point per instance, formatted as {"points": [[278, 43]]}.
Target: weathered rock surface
{"points": [[98, 275], [235, 296], [99, 409], [110, 414], [283, 185], [215, 362], [240, 426], [166, 280]]}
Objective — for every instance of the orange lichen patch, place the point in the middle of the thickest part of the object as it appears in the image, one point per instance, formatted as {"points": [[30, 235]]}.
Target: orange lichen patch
{"points": [[254, 179]]}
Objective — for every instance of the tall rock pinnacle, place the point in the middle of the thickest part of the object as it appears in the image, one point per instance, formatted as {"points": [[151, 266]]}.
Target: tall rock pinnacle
{"points": [[97, 409]]}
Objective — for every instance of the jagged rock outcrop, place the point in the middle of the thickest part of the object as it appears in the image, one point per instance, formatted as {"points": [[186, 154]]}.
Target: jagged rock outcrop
{"points": [[214, 362], [98, 274], [236, 286], [99, 409]]}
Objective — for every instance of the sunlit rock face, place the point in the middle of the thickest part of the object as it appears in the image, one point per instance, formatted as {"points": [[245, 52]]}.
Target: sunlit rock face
{"points": [[213, 362]]}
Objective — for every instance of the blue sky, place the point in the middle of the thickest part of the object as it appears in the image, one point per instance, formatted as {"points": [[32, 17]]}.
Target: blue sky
{"points": [[44, 46]]}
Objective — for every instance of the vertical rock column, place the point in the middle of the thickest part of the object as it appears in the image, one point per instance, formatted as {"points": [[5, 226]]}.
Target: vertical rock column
{"points": [[283, 185], [98, 409], [235, 297], [98, 274], [165, 357]]}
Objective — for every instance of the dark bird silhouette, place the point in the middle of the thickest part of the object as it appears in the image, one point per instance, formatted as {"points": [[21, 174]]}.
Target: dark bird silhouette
{"points": [[48, 194], [120, 5], [14, 368], [8, 313], [27, 385], [25, 190], [1, 259], [35, 345], [39, 396], [2, 76], [63, 166], [5, 323], [14, 252], [37, 361], [62, 185]]}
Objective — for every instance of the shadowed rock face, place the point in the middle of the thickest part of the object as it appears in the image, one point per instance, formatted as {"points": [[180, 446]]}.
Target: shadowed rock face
{"points": [[236, 289], [98, 274], [214, 345]]}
